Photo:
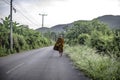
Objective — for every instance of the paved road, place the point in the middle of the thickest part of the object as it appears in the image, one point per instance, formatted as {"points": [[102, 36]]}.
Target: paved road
{"points": [[39, 64]]}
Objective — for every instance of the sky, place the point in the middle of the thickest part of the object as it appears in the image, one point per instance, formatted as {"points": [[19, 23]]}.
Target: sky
{"points": [[58, 11]]}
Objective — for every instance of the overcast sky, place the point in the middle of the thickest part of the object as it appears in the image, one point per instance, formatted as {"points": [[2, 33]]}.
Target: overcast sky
{"points": [[58, 11]]}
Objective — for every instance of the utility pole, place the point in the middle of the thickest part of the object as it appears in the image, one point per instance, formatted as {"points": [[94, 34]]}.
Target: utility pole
{"points": [[11, 36], [43, 19]]}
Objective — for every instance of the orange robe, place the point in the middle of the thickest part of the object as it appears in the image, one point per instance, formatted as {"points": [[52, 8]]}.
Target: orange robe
{"points": [[59, 45]]}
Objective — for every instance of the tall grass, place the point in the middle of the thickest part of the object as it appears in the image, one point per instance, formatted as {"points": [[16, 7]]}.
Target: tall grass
{"points": [[96, 66]]}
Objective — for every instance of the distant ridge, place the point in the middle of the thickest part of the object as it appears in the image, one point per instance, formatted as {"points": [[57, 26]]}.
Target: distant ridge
{"points": [[57, 28], [43, 29], [112, 21]]}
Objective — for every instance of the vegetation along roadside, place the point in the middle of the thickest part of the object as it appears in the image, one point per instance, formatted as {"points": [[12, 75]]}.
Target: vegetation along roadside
{"points": [[23, 38], [94, 48]]}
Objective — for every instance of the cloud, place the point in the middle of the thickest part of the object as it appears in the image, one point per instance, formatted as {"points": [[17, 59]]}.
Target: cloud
{"points": [[27, 4], [59, 11], [37, 2], [119, 2], [4, 9]]}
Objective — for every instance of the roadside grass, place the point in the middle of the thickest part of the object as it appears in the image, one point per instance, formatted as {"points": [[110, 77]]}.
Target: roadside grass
{"points": [[96, 66]]}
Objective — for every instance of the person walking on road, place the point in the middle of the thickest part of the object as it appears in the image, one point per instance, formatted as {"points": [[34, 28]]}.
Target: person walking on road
{"points": [[59, 45]]}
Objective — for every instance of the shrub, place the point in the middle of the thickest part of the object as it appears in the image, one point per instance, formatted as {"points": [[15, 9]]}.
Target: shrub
{"points": [[83, 39], [96, 66]]}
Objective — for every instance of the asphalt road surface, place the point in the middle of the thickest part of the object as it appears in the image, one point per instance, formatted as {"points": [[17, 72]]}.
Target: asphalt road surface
{"points": [[38, 64]]}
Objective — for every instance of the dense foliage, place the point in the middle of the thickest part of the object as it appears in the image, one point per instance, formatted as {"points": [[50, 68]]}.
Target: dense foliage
{"points": [[23, 38], [101, 39], [94, 34], [97, 67]]}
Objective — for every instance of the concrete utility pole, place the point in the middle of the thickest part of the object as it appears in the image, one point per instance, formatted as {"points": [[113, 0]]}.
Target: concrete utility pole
{"points": [[11, 36], [43, 18]]}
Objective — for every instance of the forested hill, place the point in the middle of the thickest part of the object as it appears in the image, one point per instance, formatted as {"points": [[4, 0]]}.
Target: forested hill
{"points": [[43, 29], [112, 21], [56, 28]]}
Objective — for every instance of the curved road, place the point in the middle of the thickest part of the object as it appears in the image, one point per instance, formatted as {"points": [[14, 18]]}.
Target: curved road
{"points": [[38, 64]]}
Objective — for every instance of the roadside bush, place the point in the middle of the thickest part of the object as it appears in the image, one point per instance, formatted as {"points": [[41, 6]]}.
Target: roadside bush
{"points": [[23, 38], [116, 45], [22, 43], [96, 66], [83, 39], [106, 44]]}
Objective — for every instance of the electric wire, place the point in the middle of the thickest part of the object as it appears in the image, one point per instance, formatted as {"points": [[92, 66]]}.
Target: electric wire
{"points": [[21, 12]]}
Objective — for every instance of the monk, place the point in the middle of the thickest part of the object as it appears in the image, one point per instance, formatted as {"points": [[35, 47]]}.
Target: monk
{"points": [[59, 45]]}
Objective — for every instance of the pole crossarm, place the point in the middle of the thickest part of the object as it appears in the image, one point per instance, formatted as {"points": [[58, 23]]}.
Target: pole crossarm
{"points": [[43, 14]]}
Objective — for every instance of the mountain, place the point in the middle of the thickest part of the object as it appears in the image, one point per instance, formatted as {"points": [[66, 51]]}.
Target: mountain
{"points": [[43, 29], [111, 20], [57, 28]]}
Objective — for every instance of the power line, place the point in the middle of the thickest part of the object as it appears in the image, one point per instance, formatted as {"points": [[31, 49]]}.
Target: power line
{"points": [[6, 2], [23, 9], [26, 17], [20, 11]]}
